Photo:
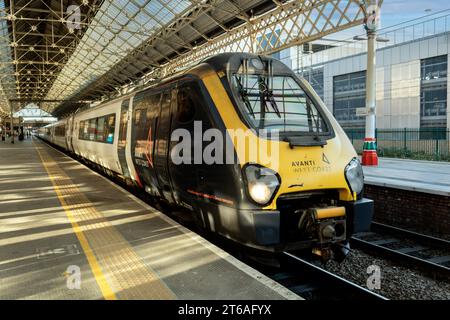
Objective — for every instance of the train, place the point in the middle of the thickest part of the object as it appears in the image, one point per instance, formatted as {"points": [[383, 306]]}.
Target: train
{"points": [[178, 140]]}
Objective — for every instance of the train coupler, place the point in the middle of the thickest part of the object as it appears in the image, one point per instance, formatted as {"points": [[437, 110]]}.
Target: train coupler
{"points": [[327, 226]]}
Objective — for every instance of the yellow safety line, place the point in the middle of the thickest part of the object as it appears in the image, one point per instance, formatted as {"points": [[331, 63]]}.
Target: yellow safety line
{"points": [[105, 288]]}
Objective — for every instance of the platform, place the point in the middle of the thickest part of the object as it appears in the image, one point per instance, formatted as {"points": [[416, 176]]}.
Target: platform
{"points": [[66, 232], [414, 175]]}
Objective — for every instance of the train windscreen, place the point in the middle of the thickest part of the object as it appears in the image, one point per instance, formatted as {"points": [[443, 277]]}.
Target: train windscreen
{"points": [[277, 102]]}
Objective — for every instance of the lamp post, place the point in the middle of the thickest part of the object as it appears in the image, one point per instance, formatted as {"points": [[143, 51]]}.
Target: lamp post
{"points": [[369, 156]]}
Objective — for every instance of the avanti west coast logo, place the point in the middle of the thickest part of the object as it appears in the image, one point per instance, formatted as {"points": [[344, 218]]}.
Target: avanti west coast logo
{"points": [[307, 165], [303, 163]]}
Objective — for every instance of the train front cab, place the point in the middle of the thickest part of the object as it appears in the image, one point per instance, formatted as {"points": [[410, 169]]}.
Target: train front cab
{"points": [[312, 195]]}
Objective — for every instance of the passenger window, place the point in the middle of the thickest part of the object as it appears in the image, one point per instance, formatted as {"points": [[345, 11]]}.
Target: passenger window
{"points": [[137, 117], [81, 130], [86, 130], [153, 106], [100, 128], [123, 127], [92, 128], [109, 128], [187, 99]]}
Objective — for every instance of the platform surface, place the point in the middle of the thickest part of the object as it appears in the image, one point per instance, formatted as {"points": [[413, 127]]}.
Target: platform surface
{"points": [[68, 233], [415, 175]]}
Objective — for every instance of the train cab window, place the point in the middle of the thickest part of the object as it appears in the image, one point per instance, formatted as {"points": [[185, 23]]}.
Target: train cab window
{"points": [[277, 102], [100, 129], [186, 102]]}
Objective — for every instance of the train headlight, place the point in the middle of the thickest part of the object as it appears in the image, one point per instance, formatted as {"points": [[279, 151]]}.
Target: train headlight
{"points": [[262, 183], [355, 176]]}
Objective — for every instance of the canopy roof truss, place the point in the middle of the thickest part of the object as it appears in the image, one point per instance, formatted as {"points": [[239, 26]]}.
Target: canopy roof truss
{"points": [[37, 38], [124, 44]]}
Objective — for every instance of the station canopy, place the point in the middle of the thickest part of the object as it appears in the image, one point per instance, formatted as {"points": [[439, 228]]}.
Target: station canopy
{"points": [[65, 54], [32, 114]]}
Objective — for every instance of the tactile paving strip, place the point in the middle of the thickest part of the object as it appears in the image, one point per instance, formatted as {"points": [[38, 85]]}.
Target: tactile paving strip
{"points": [[119, 271]]}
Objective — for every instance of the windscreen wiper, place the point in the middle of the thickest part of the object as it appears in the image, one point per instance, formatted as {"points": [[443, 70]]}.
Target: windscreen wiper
{"points": [[312, 118], [270, 97], [244, 96], [273, 103], [267, 95]]}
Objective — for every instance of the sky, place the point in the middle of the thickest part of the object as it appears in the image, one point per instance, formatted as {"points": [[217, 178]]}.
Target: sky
{"points": [[394, 12], [397, 11]]}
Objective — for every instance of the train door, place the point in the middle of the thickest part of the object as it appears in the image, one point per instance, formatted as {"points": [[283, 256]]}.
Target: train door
{"points": [[184, 113], [161, 150], [129, 143], [193, 174], [122, 141], [69, 132], [144, 126]]}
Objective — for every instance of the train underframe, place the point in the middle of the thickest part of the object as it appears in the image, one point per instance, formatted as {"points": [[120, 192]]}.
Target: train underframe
{"points": [[312, 222]]}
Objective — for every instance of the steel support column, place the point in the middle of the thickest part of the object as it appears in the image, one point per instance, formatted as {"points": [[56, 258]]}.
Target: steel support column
{"points": [[369, 156]]}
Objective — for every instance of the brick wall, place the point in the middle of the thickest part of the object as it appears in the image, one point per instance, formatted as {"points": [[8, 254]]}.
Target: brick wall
{"points": [[418, 211]]}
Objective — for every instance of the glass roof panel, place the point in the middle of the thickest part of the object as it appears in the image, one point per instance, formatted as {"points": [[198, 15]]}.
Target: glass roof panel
{"points": [[118, 27]]}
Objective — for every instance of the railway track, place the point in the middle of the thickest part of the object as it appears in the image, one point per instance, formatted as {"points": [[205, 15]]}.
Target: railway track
{"points": [[314, 283], [428, 253]]}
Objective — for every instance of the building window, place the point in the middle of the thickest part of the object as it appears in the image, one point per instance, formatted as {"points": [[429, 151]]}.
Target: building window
{"points": [[433, 92], [349, 93], [315, 78]]}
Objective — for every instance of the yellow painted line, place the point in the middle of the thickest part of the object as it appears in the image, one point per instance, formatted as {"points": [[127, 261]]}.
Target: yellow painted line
{"points": [[106, 290], [126, 273]]}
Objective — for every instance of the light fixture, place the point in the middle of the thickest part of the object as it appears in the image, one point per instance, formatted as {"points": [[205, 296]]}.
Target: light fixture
{"points": [[363, 38]]}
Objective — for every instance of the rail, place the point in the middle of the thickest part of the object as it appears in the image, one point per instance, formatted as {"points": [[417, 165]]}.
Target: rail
{"points": [[313, 282], [428, 253]]}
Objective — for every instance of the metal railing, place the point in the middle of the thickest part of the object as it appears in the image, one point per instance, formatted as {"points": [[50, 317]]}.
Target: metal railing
{"points": [[423, 143]]}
